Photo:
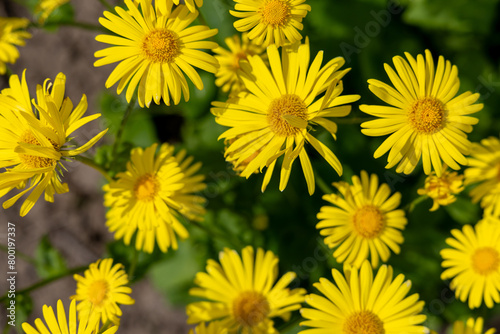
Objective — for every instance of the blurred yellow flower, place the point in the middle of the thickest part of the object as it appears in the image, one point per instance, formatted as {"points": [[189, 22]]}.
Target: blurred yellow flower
{"points": [[243, 294], [425, 120], [100, 291], [165, 6], [155, 52], [12, 33], [442, 189], [34, 144], [471, 326], [45, 7], [213, 327], [153, 196]]}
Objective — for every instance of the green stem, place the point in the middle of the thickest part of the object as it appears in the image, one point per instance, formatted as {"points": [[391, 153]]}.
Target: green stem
{"points": [[105, 327], [133, 264], [411, 206], [46, 281], [91, 163], [323, 185], [23, 256], [123, 123], [106, 4]]}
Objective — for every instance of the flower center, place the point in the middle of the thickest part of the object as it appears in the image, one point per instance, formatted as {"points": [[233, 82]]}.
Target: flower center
{"points": [[275, 12], [485, 260], [146, 188], [368, 221], [98, 291], [427, 115], [364, 322], [250, 308], [287, 115], [161, 46], [33, 161]]}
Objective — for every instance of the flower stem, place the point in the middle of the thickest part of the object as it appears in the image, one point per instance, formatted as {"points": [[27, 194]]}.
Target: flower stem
{"points": [[91, 163], [323, 185], [411, 206], [119, 134], [133, 264]]}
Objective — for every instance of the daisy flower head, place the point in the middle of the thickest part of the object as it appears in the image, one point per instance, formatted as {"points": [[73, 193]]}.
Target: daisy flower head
{"points": [[229, 61], [100, 291], [34, 144], [63, 323], [278, 114], [442, 189], [473, 263], [363, 221], [425, 119], [12, 33], [270, 21], [45, 7], [242, 292], [471, 326], [155, 52], [359, 303], [484, 170], [152, 197]]}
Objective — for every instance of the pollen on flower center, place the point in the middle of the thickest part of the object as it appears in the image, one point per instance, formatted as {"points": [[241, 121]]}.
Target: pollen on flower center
{"points": [[285, 113], [98, 291], [161, 46], [146, 187], [368, 221], [364, 322], [250, 308], [485, 260], [33, 161], [427, 115], [275, 12]]}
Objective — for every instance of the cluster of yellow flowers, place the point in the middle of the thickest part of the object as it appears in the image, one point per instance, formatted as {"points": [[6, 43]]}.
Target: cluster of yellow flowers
{"points": [[278, 95]]}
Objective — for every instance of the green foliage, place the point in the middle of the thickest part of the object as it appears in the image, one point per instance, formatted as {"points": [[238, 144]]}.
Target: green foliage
{"points": [[48, 260]]}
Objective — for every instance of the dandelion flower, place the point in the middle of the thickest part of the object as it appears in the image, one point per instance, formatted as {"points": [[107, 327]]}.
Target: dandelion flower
{"points": [[12, 33], [243, 293], [473, 263], [276, 116], [153, 196], [102, 288], [442, 189], [363, 221], [358, 303], [425, 120], [34, 145], [484, 169], [270, 21], [45, 7], [155, 52], [60, 324], [471, 326], [229, 60]]}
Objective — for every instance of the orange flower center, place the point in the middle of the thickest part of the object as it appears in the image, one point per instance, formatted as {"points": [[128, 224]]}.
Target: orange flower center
{"points": [[485, 260], [275, 12], [33, 161], [287, 115], [98, 292], [250, 308], [364, 322], [368, 221], [146, 187], [161, 46], [427, 115]]}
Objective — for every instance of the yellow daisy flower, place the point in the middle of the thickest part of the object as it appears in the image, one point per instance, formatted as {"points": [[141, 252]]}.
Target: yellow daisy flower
{"points": [[473, 263], [484, 169], [241, 293], [359, 303], [60, 324], [12, 33], [45, 7], [270, 21], [155, 52], [471, 326], [276, 116], [102, 288], [426, 120], [363, 221], [213, 327], [229, 60], [33, 145], [153, 196], [442, 189]]}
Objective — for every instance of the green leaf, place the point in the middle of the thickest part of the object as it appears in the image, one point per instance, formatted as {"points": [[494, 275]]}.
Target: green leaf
{"points": [[48, 260], [464, 211]]}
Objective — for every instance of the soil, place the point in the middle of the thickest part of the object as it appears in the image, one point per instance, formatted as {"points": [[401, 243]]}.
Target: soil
{"points": [[75, 223]]}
